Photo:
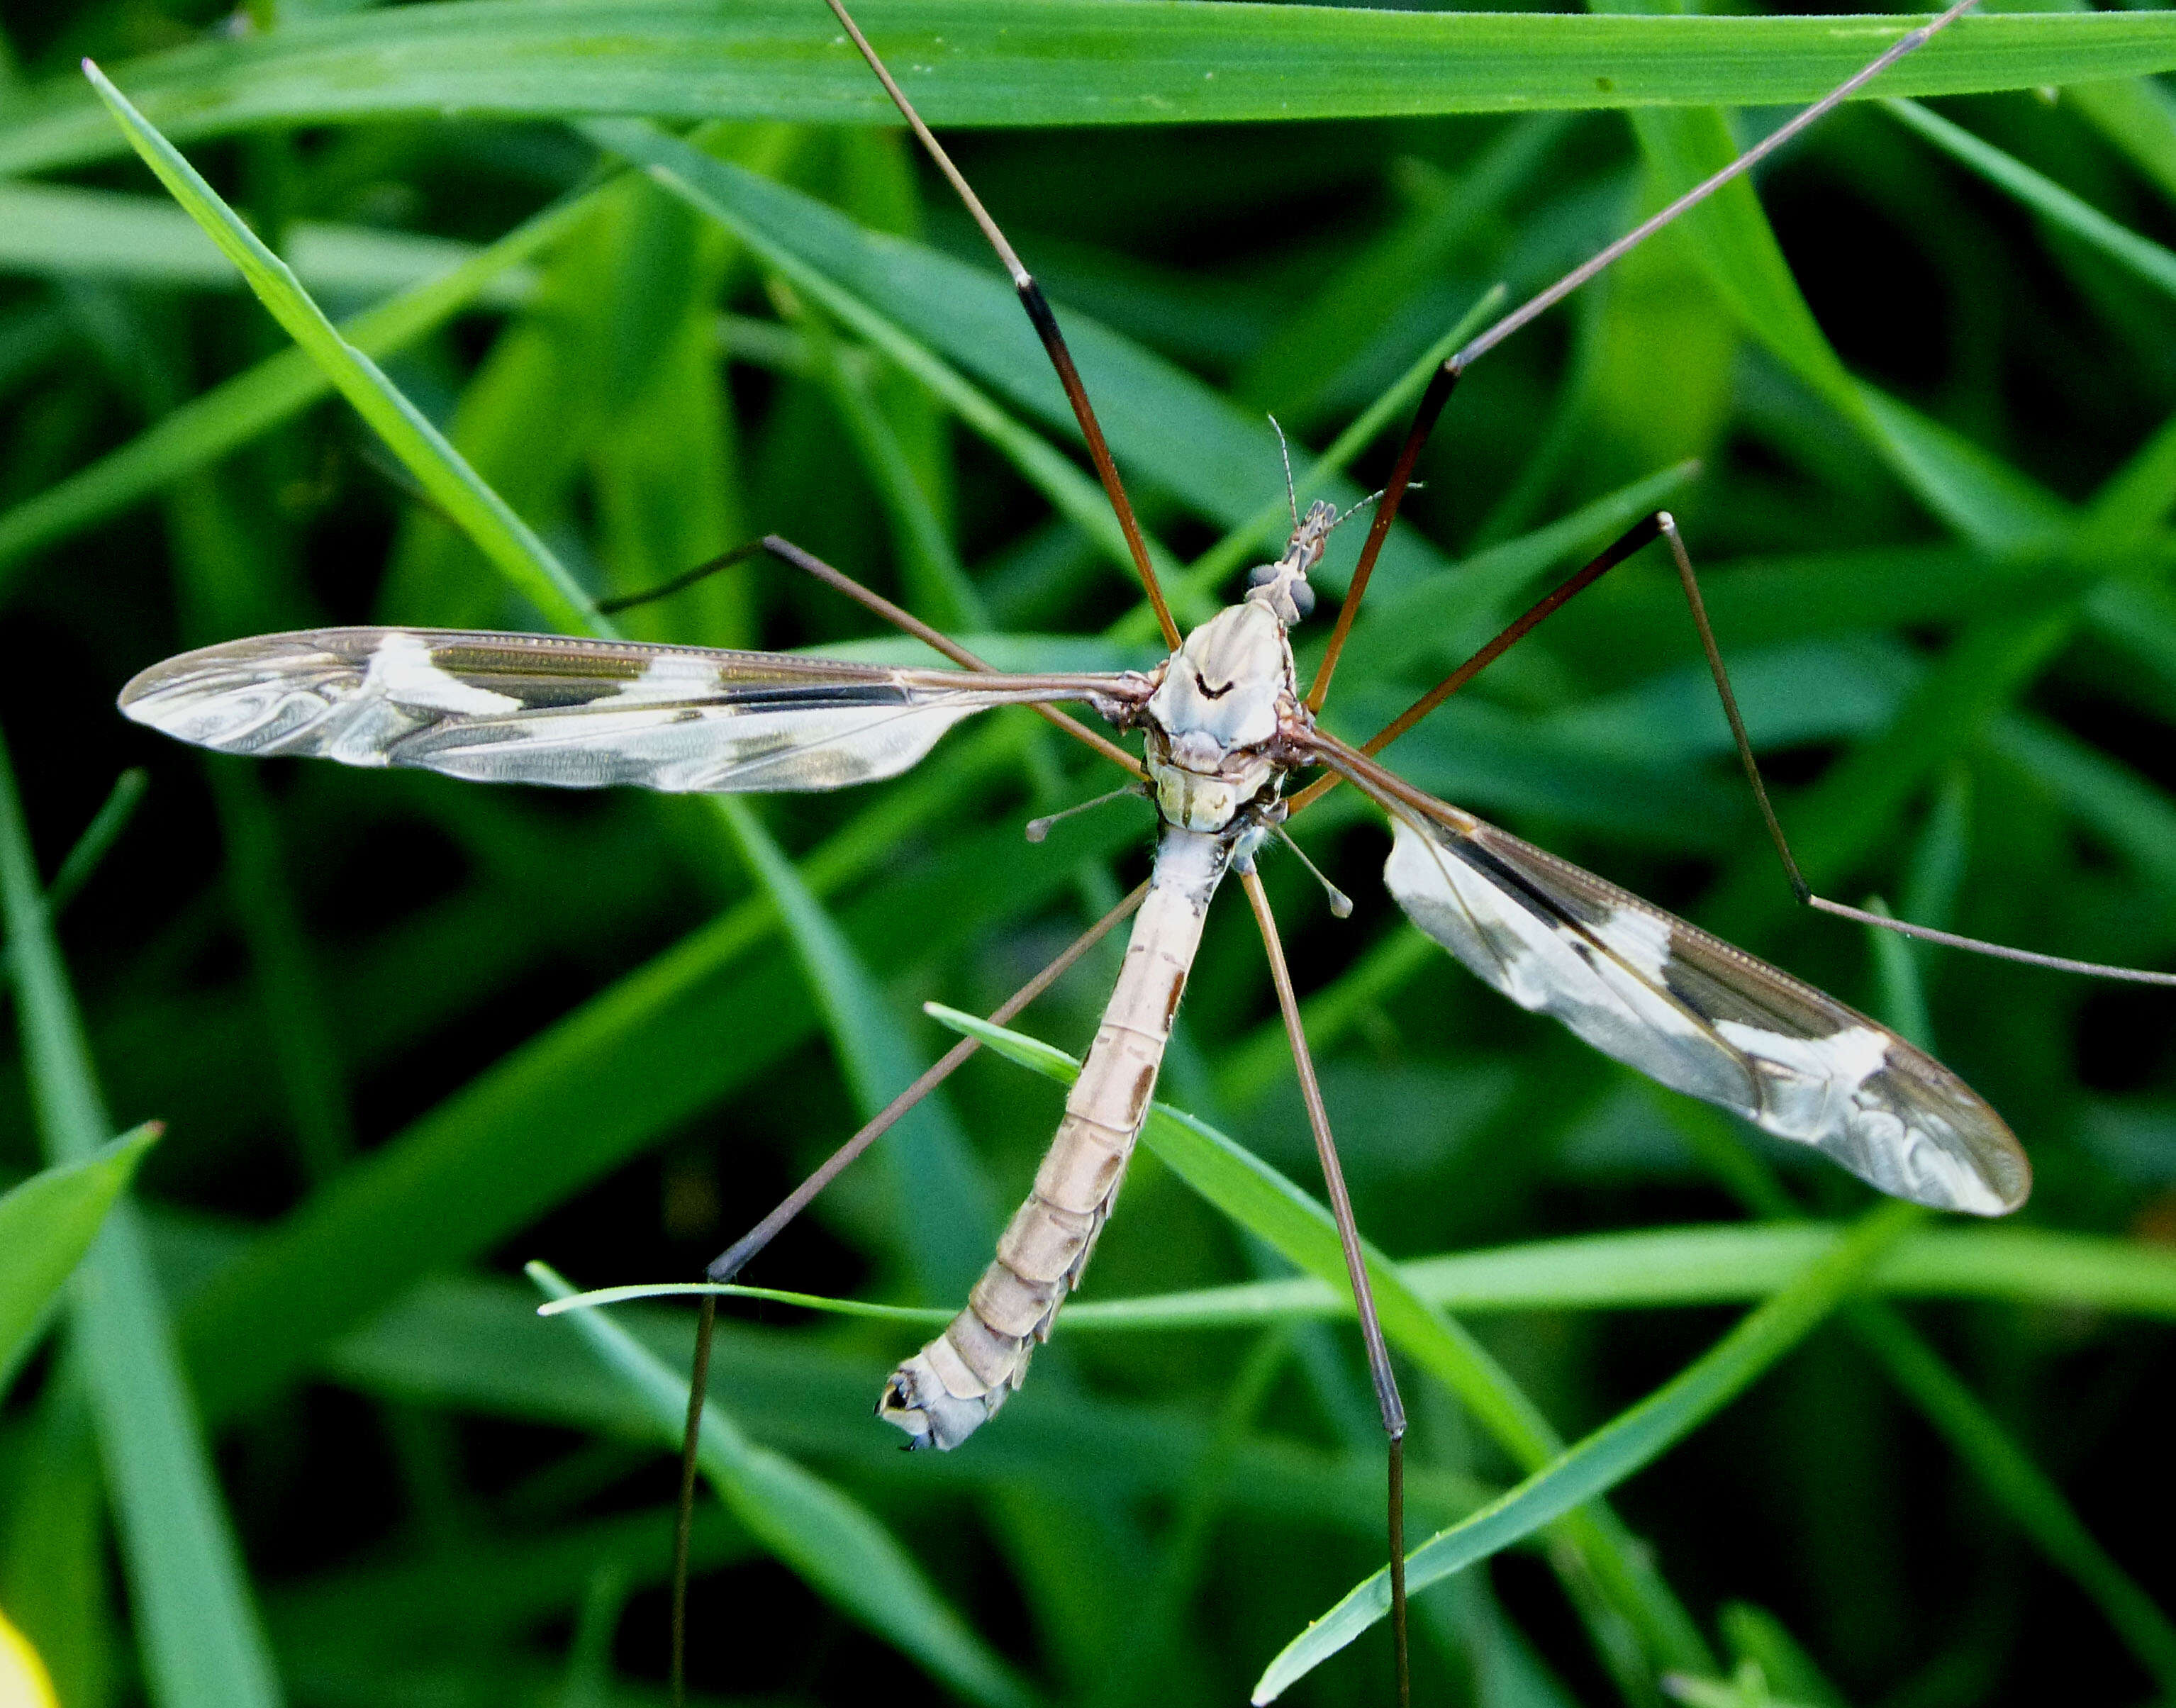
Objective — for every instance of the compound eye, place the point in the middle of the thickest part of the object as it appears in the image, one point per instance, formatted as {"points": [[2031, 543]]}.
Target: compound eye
{"points": [[1262, 574], [1302, 599]]}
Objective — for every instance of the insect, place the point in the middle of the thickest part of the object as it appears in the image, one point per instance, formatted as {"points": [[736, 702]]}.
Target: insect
{"points": [[1226, 725]]}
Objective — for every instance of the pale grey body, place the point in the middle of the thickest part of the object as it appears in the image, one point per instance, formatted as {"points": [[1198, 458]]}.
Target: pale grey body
{"points": [[1212, 724]]}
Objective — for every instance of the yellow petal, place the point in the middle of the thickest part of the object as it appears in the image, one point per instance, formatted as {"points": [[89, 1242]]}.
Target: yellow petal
{"points": [[23, 1681]]}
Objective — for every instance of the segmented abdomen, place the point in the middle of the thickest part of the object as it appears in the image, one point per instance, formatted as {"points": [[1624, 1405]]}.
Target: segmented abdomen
{"points": [[944, 1392]]}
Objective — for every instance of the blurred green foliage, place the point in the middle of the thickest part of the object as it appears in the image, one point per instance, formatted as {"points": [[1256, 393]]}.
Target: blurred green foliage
{"points": [[1916, 420]]}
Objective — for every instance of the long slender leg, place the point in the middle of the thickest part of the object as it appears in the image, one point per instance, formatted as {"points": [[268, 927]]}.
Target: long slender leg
{"points": [[787, 551], [1387, 1399], [729, 1262], [1438, 394], [897, 615], [1629, 542], [1046, 328], [1447, 377], [1799, 887], [1663, 526]]}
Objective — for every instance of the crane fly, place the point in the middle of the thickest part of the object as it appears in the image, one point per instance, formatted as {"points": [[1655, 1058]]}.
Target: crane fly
{"points": [[1225, 727]]}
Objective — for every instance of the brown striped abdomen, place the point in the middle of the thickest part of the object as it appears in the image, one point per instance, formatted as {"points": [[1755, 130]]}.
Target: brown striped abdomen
{"points": [[944, 1393]]}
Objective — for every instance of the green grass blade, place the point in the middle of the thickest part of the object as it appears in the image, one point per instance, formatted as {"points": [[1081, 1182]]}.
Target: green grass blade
{"points": [[203, 1646], [831, 1542], [526, 562], [1276, 1210], [2148, 259], [927, 1316], [98, 838], [2021, 1487], [1703, 1265], [947, 1215], [47, 1225], [763, 222], [2135, 819], [1621, 1447], [2136, 115], [63, 230], [1698, 1266], [83, 861], [254, 401], [1046, 62], [1969, 488], [665, 1042], [1164, 425]]}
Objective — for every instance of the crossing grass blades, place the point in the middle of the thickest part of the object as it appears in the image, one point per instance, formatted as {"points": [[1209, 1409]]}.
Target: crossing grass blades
{"points": [[1225, 726]]}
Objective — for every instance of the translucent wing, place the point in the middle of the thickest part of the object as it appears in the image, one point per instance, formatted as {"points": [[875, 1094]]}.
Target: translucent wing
{"points": [[1690, 1011], [575, 714]]}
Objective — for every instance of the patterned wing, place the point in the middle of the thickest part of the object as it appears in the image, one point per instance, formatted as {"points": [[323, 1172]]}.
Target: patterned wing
{"points": [[1690, 1011], [573, 714]]}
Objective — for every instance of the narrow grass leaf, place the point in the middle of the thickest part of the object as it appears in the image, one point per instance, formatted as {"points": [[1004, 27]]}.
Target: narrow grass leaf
{"points": [[112, 818], [947, 1215], [234, 411], [2026, 1491], [83, 861], [1043, 63], [202, 1645], [2125, 809], [65, 229], [2135, 114], [827, 1539], [925, 1315], [1621, 1447], [502, 536], [665, 1041], [1272, 1208], [1698, 1266], [47, 1225], [2065, 211], [1164, 425]]}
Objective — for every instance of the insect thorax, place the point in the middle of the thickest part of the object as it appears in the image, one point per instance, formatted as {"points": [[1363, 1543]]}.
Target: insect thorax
{"points": [[1214, 722]]}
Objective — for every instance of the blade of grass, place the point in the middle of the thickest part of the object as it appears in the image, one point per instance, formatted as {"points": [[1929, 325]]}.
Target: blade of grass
{"points": [[1044, 63], [503, 537], [1162, 422], [946, 1215], [90, 849], [253, 402], [2148, 259], [47, 1225], [1970, 490], [829, 1541], [1693, 1266], [202, 1645], [65, 229], [664, 1043], [690, 173], [1274, 1209], [1622, 1446], [2020, 1487]]}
